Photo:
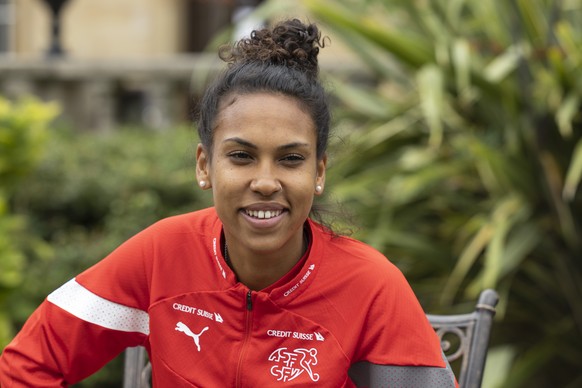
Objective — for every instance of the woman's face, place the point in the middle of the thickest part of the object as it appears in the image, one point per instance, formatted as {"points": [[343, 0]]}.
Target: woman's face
{"points": [[263, 171]]}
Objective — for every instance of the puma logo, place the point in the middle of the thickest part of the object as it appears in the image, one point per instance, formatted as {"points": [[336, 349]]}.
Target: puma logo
{"points": [[186, 330]]}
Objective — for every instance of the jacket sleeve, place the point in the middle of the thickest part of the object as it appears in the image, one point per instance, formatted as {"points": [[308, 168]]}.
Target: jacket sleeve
{"points": [[83, 324], [56, 349], [399, 344]]}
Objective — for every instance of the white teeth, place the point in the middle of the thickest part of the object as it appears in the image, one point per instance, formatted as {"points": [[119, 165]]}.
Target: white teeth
{"points": [[263, 214]]}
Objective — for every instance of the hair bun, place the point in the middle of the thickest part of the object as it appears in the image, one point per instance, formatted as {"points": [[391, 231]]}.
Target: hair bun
{"points": [[289, 43]]}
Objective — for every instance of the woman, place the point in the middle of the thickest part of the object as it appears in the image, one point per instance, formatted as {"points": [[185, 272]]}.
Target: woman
{"points": [[251, 292]]}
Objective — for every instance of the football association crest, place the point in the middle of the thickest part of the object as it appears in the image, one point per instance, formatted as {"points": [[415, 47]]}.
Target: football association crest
{"points": [[290, 364]]}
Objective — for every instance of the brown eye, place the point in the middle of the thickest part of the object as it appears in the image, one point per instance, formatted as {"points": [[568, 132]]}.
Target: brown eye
{"points": [[239, 156], [293, 159]]}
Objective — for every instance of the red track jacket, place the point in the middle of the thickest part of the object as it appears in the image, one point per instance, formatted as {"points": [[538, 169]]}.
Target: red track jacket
{"points": [[169, 289]]}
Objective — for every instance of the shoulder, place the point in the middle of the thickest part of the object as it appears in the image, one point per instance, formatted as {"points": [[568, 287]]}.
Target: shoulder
{"points": [[345, 251], [357, 263], [173, 230], [356, 250], [200, 221]]}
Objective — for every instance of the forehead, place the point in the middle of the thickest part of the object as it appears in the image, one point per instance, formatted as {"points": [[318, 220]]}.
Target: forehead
{"points": [[264, 115]]}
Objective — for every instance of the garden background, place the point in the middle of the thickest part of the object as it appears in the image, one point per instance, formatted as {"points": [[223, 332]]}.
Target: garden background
{"points": [[458, 152]]}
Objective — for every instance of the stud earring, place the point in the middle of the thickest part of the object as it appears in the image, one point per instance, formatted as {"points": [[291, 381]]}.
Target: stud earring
{"points": [[202, 184], [318, 189]]}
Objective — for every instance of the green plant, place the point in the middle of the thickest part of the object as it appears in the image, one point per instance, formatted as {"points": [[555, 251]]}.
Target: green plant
{"points": [[463, 160], [90, 192], [23, 133]]}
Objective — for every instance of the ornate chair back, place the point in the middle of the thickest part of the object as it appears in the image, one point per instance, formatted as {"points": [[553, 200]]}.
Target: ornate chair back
{"points": [[465, 338]]}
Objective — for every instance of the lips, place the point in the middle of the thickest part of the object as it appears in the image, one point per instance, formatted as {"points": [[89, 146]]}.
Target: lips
{"points": [[263, 214]]}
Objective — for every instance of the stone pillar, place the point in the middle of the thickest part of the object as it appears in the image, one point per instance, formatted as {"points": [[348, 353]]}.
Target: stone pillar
{"points": [[157, 104], [94, 109]]}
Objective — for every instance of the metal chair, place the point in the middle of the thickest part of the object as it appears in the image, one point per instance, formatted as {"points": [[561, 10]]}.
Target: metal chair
{"points": [[464, 338], [137, 370]]}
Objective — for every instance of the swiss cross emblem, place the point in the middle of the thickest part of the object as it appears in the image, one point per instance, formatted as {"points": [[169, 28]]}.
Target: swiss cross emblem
{"points": [[290, 364]]}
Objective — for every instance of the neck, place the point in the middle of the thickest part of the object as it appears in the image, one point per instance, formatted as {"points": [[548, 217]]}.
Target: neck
{"points": [[258, 270]]}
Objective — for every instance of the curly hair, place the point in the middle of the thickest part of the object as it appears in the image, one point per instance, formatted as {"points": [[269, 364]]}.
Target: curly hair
{"points": [[282, 60], [290, 44]]}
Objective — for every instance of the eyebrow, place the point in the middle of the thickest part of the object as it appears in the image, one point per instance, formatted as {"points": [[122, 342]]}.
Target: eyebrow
{"points": [[248, 144]]}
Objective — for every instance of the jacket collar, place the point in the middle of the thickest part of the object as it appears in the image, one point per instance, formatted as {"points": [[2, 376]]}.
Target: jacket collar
{"points": [[280, 292]]}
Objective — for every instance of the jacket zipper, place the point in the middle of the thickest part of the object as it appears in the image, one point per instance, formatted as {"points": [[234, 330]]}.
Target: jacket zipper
{"points": [[246, 337]]}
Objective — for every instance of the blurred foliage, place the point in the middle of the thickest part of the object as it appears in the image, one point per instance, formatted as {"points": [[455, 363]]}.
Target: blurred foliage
{"points": [[23, 134], [92, 191], [89, 193], [463, 158]]}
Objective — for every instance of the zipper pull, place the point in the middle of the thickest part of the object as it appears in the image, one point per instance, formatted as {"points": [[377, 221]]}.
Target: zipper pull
{"points": [[249, 301]]}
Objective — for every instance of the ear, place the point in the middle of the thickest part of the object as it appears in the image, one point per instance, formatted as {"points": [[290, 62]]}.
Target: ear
{"points": [[203, 167], [320, 175]]}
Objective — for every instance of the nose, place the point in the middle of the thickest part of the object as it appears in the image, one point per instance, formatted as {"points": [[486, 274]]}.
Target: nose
{"points": [[265, 182]]}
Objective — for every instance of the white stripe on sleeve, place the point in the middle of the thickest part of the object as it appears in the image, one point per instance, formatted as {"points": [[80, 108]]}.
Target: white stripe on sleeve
{"points": [[82, 303]]}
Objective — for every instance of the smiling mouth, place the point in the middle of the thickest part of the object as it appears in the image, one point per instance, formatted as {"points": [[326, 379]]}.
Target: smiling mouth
{"points": [[263, 214]]}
